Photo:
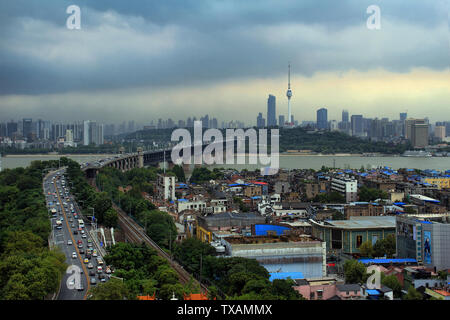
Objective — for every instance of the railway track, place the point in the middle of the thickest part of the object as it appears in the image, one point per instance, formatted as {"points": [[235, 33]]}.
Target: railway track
{"points": [[136, 234]]}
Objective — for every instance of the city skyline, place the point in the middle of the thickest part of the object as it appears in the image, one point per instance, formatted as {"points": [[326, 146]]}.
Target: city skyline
{"points": [[135, 59]]}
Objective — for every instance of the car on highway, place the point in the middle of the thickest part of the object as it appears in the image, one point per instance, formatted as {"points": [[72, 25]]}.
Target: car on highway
{"points": [[80, 288], [80, 245], [81, 251], [92, 273], [69, 242], [90, 266], [84, 236], [93, 281], [86, 260], [75, 232], [74, 255]]}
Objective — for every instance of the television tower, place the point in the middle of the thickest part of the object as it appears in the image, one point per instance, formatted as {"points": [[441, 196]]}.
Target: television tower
{"points": [[289, 95]]}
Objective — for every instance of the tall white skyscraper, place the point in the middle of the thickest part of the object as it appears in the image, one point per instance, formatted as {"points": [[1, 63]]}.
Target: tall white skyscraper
{"points": [[86, 137]]}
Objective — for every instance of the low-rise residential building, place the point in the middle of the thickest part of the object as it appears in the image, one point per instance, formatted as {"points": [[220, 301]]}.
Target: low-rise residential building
{"points": [[346, 236], [363, 209], [286, 253], [347, 187]]}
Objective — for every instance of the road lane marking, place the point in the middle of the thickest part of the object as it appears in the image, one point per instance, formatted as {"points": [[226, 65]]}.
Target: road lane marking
{"points": [[76, 247]]}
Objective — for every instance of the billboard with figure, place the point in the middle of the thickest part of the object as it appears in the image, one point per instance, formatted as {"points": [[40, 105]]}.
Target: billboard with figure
{"points": [[427, 247]]}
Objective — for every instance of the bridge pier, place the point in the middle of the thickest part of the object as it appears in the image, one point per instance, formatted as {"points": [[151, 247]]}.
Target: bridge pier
{"points": [[140, 157]]}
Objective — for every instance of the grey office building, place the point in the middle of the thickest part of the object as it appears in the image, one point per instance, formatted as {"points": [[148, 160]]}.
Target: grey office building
{"points": [[357, 125], [281, 120], [322, 118], [271, 111], [27, 128], [345, 116], [426, 241]]}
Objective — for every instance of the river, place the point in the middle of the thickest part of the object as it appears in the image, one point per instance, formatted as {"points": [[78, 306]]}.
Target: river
{"points": [[286, 161]]}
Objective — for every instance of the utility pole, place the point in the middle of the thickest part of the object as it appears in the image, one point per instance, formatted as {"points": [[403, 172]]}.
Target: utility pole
{"points": [[200, 280]]}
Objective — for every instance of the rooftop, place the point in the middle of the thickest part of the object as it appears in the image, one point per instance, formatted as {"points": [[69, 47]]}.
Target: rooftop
{"points": [[286, 275], [374, 222], [287, 239]]}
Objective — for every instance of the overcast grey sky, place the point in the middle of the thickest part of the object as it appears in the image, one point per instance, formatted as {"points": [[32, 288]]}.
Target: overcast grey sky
{"points": [[143, 60]]}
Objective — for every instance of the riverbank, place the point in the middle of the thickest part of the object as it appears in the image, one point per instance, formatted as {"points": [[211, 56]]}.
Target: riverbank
{"points": [[31, 155]]}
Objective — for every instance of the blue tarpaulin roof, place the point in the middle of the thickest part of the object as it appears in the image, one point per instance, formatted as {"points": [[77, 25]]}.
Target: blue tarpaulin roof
{"points": [[366, 261], [373, 292], [285, 275], [182, 200]]}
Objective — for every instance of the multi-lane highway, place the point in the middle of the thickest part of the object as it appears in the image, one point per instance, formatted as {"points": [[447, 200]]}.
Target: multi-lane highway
{"points": [[70, 233]]}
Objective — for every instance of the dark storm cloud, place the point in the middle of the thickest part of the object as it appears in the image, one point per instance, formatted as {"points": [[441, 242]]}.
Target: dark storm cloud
{"points": [[127, 44]]}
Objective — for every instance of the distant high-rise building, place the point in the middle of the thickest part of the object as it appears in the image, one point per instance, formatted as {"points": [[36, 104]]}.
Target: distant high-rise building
{"points": [[260, 121], [12, 128], [96, 133], [334, 125], [27, 128], [417, 131], [345, 117], [322, 118], [281, 120], [3, 130], [271, 111], [403, 116], [357, 125], [69, 135], [86, 137], [439, 132], [205, 121], [214, 123]]}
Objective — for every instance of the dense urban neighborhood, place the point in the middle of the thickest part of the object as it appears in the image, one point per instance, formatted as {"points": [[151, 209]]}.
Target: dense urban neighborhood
{"points": [[150, 233]]}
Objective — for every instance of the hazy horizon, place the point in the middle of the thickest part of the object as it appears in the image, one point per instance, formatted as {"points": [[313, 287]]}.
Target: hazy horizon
{"points": [[177, 59]]}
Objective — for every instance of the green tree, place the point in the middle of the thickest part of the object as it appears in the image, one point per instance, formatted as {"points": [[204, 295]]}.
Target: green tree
{"points": [[413, 294], [386, 246], [189, 251], [392, 282], [355, 272], [366, 249], [114, 289]]}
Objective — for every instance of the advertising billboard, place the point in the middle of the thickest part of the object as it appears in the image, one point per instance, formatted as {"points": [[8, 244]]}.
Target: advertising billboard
{"points": [[427, 247]]}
